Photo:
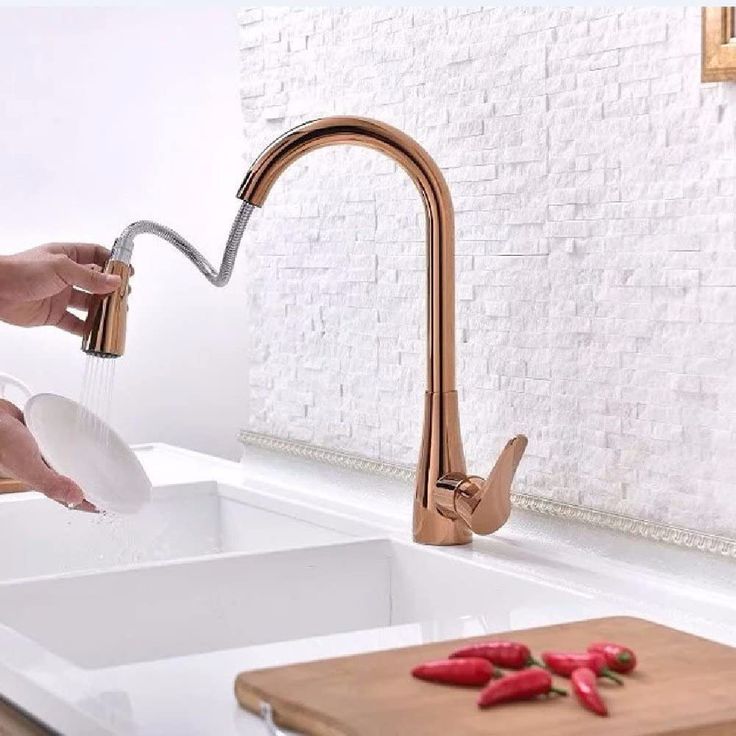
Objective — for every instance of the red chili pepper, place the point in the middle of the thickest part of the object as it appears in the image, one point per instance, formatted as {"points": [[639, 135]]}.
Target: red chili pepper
{"points": [[469, 671], [585, 686], [523, 685], [565, 663], [508, 654], [618, 658]]}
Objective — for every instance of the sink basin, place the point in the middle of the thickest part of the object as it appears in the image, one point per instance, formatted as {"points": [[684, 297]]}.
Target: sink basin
{"points": [[278, 560], [112, 618], [41, 538]]}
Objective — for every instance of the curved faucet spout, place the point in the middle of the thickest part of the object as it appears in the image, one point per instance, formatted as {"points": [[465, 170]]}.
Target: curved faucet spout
{"points": [[445, 498], [448, 504], [430, 182]]}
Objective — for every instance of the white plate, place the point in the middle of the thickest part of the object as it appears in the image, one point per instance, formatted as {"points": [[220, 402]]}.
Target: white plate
{"points": [[77, 443]]}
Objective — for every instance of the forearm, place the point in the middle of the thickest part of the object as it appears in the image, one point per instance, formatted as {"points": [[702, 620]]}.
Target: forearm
{"points": [[9, 414], [6, 280]]}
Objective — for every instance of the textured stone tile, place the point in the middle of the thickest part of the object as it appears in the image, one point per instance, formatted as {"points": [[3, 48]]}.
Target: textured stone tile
{"points": [[595, 184]]}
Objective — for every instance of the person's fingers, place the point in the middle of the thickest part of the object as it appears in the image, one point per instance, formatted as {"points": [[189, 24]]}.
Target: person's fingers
{"points": [[71, 323], [7, 407], [85, 506], [85, 278], [59, 488], [20, 456], [78, 300], [63, 490], [82, 252]]}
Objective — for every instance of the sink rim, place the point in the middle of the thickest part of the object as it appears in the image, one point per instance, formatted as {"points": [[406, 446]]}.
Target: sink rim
{"points": [[219, 491], [403, 558]]}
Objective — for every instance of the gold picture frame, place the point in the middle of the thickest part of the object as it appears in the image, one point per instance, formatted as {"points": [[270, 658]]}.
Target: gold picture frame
{"points": [[718, 45]]}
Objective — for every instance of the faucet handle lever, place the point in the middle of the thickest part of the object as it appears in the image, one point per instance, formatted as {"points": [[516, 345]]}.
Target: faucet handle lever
{"points": [[493, 507], [485, 504]]}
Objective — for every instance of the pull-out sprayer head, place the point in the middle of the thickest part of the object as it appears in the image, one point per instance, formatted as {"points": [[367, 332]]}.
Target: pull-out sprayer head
{"points": [[104, 330]]}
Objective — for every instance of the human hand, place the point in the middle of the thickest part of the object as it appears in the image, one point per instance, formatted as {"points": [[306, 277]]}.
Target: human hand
{"points": [[21, 459], [41, 285]]}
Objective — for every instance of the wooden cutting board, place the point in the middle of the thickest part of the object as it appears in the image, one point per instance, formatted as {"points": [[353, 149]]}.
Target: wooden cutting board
{"points": [[684, 686], [8, 485]]}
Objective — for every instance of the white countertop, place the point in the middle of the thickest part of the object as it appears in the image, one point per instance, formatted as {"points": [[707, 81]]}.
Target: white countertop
{"points": [[609, 574]]}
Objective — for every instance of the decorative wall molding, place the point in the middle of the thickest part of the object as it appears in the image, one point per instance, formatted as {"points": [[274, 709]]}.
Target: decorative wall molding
{"points": [[679, 536]]}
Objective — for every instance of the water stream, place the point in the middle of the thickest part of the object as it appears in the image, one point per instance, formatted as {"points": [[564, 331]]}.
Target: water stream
{"points": [[95, 402], [97, 386], [124, 539], [93, 418]]}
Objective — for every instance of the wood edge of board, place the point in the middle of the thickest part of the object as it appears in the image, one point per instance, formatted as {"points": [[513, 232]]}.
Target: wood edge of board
{"points": [[15, 722], [285, 713], [8, 485]]}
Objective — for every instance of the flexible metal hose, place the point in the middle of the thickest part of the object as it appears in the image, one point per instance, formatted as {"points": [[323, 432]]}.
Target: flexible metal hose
{"points": [[123, 248]]}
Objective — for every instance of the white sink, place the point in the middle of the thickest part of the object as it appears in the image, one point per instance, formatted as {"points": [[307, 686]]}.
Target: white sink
{"points": [[277, 560], [41, 538], [172, 609]]}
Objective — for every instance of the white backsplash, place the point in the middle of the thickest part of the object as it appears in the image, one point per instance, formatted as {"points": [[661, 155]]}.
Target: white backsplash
{"points": [[594, 179]]}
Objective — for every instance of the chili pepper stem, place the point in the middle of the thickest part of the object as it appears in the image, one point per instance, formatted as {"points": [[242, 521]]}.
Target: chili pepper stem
{"points": [[534, 662], [611, 676], [558, 690]]}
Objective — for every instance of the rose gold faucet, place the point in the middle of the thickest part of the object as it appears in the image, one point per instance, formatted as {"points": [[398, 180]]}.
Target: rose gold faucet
{"points": [[448, 504]]}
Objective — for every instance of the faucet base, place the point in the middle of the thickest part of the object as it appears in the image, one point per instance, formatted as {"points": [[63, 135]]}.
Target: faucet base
{"points": [[427, 530], [441, 453]]}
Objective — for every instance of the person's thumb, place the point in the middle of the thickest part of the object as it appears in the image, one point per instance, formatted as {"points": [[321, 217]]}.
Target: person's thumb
{"points": [[86, 278], [59, 488]]}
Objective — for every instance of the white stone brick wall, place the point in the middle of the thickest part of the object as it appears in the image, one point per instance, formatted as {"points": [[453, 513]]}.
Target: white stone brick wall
{"points": [[594, 179]]}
